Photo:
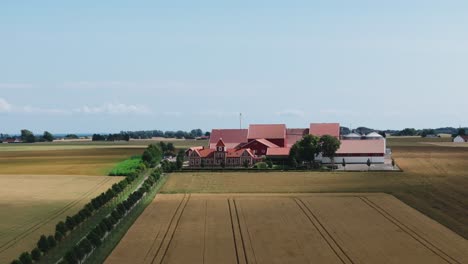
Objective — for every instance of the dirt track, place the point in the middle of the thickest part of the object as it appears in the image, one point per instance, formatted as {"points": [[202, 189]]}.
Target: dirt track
{"points": [[286, 228]]}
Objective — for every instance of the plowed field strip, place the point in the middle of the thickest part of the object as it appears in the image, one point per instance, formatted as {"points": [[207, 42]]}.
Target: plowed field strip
{"points": [[8, 244], [237, 234], [410, 232], [253, 257], [165, 243], [337, 249]]}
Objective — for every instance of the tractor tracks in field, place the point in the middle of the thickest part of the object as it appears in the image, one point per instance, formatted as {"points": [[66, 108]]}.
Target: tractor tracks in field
{"points": [[166, 241], [336, 248], [419, 238], [10, 243], [245, 253]]}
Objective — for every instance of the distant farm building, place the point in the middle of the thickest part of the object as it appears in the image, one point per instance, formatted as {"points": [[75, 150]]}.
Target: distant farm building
{"points": [[242, 147], [460, 139]]}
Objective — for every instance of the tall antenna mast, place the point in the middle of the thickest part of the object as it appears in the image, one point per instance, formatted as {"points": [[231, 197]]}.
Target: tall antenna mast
{"points": [[240, 120]]}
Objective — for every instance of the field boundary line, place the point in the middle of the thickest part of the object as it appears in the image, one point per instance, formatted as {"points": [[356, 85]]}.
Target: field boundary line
{"points": [[10, 243], [336, 248], [235, 234], [409, 231], [172, 229], [247, 231]]}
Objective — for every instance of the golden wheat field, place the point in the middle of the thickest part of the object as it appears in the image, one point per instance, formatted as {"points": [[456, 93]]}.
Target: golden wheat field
{"points": [[286, 228], [31, 205]]}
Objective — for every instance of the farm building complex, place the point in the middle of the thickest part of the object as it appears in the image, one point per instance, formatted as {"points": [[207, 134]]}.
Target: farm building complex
{"points": [[245, 147]]}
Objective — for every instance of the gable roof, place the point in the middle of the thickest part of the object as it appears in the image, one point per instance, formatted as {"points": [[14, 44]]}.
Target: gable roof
{"points": [[205, 153], [193, 149], [231, 137], [236, 153], [465, 138], [321, 129], [295, 134], [261, 141], [269, 131], [220, 143]]}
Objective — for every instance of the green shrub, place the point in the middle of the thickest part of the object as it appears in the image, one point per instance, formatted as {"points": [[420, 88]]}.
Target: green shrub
{"points": [[36, 254], [261, 165], [25, 258], [128, 167]]}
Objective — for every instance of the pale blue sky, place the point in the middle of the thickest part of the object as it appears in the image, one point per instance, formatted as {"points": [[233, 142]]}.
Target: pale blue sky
{"points": [[108, 66]]}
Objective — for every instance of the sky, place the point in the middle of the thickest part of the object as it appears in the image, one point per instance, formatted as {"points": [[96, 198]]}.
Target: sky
{"points": [[106, 66]]}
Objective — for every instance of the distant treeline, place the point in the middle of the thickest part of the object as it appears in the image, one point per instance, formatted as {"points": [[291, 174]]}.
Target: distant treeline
{"points": [[146, 134], [28, 137], [408, 131]]}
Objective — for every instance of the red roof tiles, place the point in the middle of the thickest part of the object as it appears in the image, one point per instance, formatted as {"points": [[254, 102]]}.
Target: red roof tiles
{"points": [[220, 143], [231, 137], [262, 141], [205, 153], [236, 153], [295, 134], [284, 152], [321, 129], [270, 131]]}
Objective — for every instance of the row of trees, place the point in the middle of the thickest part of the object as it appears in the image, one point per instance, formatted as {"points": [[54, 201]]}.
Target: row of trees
{"points": [[95, 238], [28, 137], [426, 132], [168, 149], [152, 155], [309, 147], [111, 137], [65, 228], [146, 134]]}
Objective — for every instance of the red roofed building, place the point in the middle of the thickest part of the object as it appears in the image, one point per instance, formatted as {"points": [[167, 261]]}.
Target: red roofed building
{"points": [[295, 134], [359, 151], [278, 153], [275, 133], [236, 147], [321, 129], [231, 137], [220, 156], [259, 147]]}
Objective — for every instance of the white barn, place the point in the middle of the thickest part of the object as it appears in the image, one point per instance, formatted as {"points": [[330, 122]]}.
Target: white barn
{"points": [[460, 139], [357, 151]]}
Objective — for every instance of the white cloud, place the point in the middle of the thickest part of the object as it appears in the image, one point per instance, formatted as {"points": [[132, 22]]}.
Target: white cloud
{"points": [[4, 105], [38, 110], [292, 113], [111, 108], [15, 85]]}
